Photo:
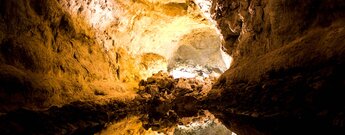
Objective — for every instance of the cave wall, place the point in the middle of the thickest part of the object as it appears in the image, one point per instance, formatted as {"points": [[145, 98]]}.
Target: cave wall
{"points": [[47, 57], [58, 51], [288, 57]]}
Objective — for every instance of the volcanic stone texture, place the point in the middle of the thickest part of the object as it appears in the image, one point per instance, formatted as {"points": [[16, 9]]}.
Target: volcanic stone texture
{"points": [[58, 51], [47, 57], [289, 58]]}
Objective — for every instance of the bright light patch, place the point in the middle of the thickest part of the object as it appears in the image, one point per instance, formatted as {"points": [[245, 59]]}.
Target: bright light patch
{"points": [[98, 14], [181, 74], [206, 126], [205, 6], [101, 16], [226, 58], [195, 125], [190, 71]]}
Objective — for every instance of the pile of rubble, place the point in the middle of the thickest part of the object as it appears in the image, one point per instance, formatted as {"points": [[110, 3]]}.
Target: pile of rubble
{"points": [[163, 86], [170, 99]]}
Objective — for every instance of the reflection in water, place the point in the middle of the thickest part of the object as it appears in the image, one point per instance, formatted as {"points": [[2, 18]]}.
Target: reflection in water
{"points": [[208, 127], [172, 106], [129, 125], [204, 123]]}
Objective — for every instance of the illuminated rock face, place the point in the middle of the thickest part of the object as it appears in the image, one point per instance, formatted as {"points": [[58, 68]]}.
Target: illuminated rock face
{"points": [[201, 47], [48, 57], [288, 57], [58, 51], [154, 27]]}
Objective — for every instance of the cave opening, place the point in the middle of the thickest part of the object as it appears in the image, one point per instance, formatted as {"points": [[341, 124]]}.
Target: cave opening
{"points": [[199, 54]]}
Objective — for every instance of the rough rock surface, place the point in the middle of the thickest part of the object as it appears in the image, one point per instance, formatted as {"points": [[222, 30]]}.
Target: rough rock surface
{"points": [[288, 61], [58, 51], [197, 48], [289, 58], [49, 58], [171, 99]]}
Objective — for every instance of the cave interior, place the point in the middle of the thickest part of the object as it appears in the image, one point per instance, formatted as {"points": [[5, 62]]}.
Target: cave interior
{"points": [[176, 67]]}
